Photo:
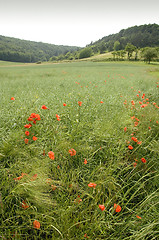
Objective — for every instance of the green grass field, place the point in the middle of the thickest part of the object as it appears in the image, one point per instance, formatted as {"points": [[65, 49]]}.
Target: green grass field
{"points": [[107, 114]]}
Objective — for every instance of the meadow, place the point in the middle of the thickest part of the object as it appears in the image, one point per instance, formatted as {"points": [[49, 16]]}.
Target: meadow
{"points": [[79, 151]]}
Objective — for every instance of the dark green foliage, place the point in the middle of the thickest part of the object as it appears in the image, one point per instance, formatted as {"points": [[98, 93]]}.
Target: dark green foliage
{"points": [[139, 36], [16, 50], [86, 52], [149, 53]]}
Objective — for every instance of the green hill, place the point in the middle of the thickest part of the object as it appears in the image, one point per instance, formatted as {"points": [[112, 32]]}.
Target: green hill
{"points": [[16, 50], [140, 36]]}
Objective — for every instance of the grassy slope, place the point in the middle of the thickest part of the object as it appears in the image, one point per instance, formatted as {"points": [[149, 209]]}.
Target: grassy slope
{"points": [[95, 130]]}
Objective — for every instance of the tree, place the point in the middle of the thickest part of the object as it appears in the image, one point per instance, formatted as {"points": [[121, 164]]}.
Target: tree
{"points": [[86, 52], [149, 53], [130, 48], [116, 46]]}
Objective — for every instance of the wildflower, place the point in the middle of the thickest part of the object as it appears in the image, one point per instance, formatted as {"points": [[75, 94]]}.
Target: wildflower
{"points": [[135, 164], [53, 187], [102, 207], [78, 199], [130, 147], [132, 102], [85, 235], [72, 152], [64, 104], [51, 155], [12, 98], [28, 125], [35, 116], [149, 128], [85, 161], [143, 160], [48, 180], [34, 138], [136, 123], [137, 95], [132, 117], [26, 140], [101, 101], [79, 103], [43, 107], [143, 105], [125, 129], [93, 185], [58, 117], [34, 177], [24, 174], [24, 205], [134, 139], [138, 217], [27, 133], [117, 207], [17, 178], [36, 224], [140, 102], [139, 142]]}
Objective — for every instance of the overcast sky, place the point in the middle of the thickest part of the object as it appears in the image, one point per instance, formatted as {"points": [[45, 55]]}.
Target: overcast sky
{"points": [[73, 22]]}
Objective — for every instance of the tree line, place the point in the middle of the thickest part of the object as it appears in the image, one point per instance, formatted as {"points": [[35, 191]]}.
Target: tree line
{"points": [[140, 40], [16, 50]]}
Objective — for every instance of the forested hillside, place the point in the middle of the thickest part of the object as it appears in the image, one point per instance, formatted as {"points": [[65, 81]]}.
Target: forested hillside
{"points": [[140, 36], [16, 50]]}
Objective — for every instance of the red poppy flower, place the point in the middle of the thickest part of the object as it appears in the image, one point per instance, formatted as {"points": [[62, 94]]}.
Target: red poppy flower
{"points": [[134, 139], [24, 205], [43, 107], [27, 133], [135, 164], [72, 152], [53, 187], [35, 117], [125, 129], [18, 178], [36, 224], [85, 161], [12, 98], [64, 104], [34, 138], [135, 124], [138, 217], [139, 142], [28, 125], [101, 101], [102, 207], [143, 160], [140, 102], [26, 140], [93, 185], [79, 103], [58, 117], [85, 235], [51, 155], [130, 147], [34, 177], [117, 207]]}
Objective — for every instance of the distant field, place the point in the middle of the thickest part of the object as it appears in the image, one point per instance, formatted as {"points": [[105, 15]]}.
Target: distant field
{"points": [[87, 165]]}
